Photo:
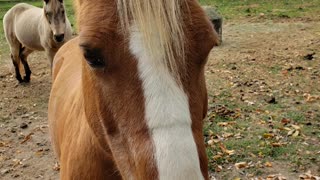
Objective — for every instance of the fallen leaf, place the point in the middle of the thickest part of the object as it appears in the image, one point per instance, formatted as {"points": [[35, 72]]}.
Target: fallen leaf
{"points": [[56, 166], [210, 142], [27, 138], [225, 150], [227, 135], [310, 98], [218, 169], [295, 127], [216, 157], [276, 144], [285, 121], [39, 153], [296, 134], [268, 164], [249, 102], [216, 140], [238, 136], [16, 162], [309, 176], [252, 155], [211, 116], [230, 152], [291, 132], [222, 124], [276, 177], [252, 175], [262, 122], [241, 165], [268, 135]]}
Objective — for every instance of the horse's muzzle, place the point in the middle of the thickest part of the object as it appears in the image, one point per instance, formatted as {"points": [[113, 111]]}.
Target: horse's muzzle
{"points": [[59, 37]]}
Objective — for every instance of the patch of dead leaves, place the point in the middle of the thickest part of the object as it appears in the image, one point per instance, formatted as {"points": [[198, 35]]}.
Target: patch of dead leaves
{"points": [[227, 135], [310, 98], [225, 124], [276, 177], [308, 176], [296, 131]]}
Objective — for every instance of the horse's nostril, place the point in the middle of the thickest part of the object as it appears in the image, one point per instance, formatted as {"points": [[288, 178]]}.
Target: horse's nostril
{"points": [[59, 37]]}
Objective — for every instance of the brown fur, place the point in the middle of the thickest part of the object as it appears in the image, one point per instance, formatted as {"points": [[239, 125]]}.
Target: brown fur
{"points": [[96, 116]]}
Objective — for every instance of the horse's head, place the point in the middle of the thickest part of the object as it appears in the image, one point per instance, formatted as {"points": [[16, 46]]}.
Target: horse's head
{"points": [[143, 83], [55, 15]]}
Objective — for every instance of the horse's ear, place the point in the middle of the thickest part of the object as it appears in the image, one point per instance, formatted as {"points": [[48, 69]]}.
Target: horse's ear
{"points": [[46, 1]]}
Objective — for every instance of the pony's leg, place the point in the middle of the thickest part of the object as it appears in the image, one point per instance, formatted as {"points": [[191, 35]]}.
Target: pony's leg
{"points": [[16, 62], [15, 51], [50, 56], [24, 53]]}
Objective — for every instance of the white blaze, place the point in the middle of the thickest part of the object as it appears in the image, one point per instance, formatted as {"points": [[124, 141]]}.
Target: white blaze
{"points": [[167, 114]]}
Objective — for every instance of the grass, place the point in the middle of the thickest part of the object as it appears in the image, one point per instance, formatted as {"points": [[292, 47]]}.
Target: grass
{"points": [[257, 134], [232, 9]]}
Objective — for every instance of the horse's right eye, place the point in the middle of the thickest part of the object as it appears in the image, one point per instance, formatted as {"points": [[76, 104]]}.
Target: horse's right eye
{"points": [[94, 57], [48, 14]]}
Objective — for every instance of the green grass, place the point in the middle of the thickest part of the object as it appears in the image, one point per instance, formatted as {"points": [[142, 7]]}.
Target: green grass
{"points": [[253, 146], [295, 116], [233, 9], [230, 9]]}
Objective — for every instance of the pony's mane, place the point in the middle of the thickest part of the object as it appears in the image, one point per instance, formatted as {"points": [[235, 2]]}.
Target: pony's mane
{"points": [[162, 18]]}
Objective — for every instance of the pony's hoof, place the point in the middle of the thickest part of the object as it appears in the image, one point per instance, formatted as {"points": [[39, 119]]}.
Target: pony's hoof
{"points": [[26, 79], [20, 80]]}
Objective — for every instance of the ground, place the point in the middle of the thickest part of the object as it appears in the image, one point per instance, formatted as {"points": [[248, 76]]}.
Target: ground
{"points": [[263, 83], [264, 105]]}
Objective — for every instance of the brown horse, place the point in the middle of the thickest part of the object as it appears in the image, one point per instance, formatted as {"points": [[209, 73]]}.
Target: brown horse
{"points": [[129, 94]]}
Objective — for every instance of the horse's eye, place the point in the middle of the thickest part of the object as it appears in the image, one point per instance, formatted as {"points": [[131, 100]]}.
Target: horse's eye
{"points": [[63, 12], [94, 57], [48, 14]]}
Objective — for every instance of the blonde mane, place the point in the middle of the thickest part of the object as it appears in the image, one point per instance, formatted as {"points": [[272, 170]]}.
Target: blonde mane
{"points": [[162, 18]]}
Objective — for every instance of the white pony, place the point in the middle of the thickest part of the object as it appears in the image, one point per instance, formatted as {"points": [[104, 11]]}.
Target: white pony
{"points": [[28, 28]]}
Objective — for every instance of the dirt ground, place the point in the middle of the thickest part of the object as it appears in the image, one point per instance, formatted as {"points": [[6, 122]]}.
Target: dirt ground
{"points": [[250, 52]]}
